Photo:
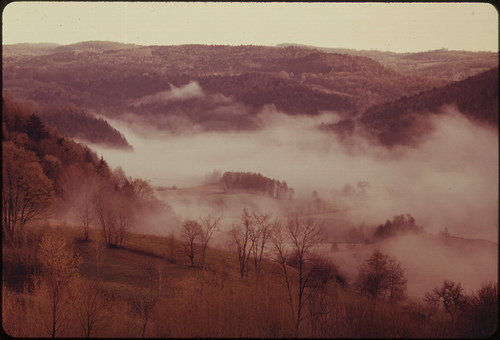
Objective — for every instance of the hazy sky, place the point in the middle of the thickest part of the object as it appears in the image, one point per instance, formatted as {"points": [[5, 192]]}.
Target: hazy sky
{"points": [[399, 27]]}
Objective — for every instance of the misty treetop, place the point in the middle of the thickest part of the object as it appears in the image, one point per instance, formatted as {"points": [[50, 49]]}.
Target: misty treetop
{"points": [[400, 224], [255, 183]]}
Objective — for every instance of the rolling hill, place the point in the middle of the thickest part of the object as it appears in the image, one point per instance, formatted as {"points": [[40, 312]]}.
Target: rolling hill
{"points": [[237, 82], [405, 121], [225, 88], [444, 64]]}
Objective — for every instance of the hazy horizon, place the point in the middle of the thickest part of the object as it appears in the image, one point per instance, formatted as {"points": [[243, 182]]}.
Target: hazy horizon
{"points": [[275, 45], [395, 27]]}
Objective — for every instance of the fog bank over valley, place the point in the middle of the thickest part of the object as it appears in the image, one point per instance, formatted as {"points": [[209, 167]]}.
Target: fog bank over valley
{"points": [[449, 180]]}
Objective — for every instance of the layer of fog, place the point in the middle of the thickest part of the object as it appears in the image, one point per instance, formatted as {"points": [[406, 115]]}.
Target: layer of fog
{"points": [[450, 180], [428, 260], [191, 90]]}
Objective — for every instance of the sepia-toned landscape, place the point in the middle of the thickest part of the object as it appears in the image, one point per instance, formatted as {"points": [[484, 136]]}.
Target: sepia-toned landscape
{"points": [[216, 190]]}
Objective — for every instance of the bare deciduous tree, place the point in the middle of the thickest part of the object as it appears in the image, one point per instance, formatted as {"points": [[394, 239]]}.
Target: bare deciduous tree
{"points": [[395, 279], [452, 298], [91, 305], [171, 248], [190, 232], [261, 232], [27, 193], [124, 219], [85, 214], [148, 293], [483, 311], [242, 238], [381, 275], [294, 245], [208, 226], [373, 273], [60, 267]]}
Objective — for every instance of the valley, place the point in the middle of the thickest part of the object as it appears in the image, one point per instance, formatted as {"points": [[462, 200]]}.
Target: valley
{"points": [[248, 191]]}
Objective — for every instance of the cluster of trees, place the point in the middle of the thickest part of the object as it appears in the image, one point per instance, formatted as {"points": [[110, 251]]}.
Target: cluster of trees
{"points": [[26, 191], [381, 275], [199, 232], [74, 122], [255, 183], [471, 316], [115, 203], [400, 224], [40, 168]]}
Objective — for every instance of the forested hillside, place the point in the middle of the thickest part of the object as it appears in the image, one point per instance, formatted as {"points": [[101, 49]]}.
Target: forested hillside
{"points": [[45, 173], [235, 83], [216, 87], [400, 121], [443, 64], [405, 120]]}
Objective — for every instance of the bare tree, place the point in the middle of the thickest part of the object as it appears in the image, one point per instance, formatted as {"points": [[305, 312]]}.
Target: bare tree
{"points": [[381, 276], [396, 280], [208, 226], [114, 213], [281, 256], [452, 297], [27, 193], [124, 219], [85, 214], [91, 305], [260, 237], [107, 219], [190, 232], [148, 293], [483, 311], [304, 234], [294, 245], [171, 248], [59, 265], [373, 273], [242, 238]]}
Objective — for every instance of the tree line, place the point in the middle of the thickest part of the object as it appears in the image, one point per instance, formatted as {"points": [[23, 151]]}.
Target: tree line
{"points": [[255, 183]]}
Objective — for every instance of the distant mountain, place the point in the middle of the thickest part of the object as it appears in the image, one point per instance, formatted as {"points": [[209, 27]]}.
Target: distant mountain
{"points": [[94, 46], [28, 49], [443, 64], [233, 83]]}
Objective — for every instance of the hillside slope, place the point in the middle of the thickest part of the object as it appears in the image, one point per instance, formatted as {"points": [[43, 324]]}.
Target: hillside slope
{"points": [[406, 120], [397, 122]]}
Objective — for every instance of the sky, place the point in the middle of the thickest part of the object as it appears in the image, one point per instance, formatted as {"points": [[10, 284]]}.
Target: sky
{"points": [[397, 27]]}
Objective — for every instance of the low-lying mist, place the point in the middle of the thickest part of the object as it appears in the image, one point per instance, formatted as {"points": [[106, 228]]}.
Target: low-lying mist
{"points": [[449, 180]]}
